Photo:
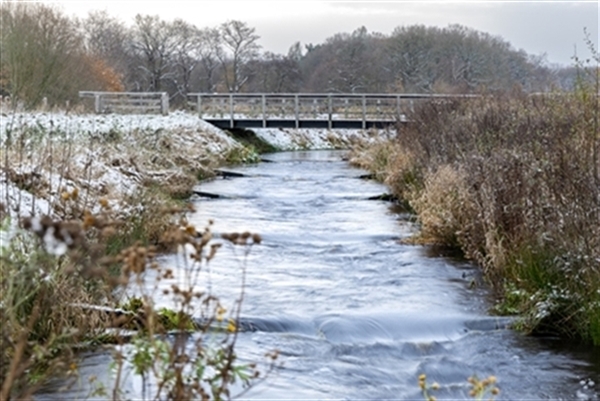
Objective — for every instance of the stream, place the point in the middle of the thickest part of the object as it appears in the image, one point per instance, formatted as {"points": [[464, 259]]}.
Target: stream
{"points": [[354, 312]]}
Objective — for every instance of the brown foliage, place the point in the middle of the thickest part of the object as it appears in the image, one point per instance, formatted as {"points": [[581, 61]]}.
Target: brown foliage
{"points": [[107, 79], [514, 182]]}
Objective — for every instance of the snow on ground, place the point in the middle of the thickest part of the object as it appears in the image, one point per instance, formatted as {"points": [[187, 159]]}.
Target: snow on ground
{"points": [[110, 156], [99, 124], [308, 138]]}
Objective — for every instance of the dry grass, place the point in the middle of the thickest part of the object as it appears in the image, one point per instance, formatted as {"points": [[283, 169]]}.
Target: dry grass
{"points": [[514, 182], [443, 206], [80, 215]]}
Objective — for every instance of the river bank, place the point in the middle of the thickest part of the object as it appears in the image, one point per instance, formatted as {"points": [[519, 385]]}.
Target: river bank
{"points": [[105, 184], [514, 183]]}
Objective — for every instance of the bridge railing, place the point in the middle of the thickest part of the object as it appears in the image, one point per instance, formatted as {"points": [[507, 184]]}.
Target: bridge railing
{"points": [[128, 102], [297, 107]]}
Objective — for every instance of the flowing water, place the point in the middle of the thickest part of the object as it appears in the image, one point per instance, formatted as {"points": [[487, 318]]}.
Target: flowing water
{"points": [[355, 313]]}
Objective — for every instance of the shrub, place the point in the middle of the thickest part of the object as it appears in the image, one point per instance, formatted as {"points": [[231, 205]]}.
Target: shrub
{"points": [[513, 181]]}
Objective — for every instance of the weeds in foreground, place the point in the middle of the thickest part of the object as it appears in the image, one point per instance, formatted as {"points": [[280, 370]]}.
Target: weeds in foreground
{"points": [[54, 288], [187, 352], [480, 390]]}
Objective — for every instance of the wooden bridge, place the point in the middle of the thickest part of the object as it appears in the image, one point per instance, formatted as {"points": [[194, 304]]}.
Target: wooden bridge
{"points": [[128, 102], [305, 110], [275, 110]]}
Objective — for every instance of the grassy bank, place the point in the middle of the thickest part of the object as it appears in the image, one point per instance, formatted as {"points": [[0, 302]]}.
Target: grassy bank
{"points": [[83, 210], [514, 182]]}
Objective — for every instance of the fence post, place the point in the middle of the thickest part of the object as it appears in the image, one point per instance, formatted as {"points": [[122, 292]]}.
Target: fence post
{"points": [[297, 111], [97, 103], [199, 105], [164, 103], [364, 111], [231, 110], [330, 111], [263, 101]]}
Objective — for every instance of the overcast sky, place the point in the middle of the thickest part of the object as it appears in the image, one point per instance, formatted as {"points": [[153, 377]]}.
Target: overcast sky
{"points": [[554, 28]]}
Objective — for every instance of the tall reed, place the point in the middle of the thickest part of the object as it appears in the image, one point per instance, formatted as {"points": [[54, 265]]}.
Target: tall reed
{"points": [[513, 181]]}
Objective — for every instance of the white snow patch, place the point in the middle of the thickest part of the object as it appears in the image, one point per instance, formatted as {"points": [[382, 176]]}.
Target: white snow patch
{"points": [[107, 153], [311, 138]]}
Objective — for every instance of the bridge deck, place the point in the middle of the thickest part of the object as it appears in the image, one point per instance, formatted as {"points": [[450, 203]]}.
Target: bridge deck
{"points": [[306, 110], [286, 123]]}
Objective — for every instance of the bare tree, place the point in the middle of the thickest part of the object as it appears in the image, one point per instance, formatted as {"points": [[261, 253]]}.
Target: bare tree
{"points": [[40, 53], [209, 48], [275, 73], [105, 36], [154, 43], [345, 63], [239, 42], [186, 55], [106, 42]]}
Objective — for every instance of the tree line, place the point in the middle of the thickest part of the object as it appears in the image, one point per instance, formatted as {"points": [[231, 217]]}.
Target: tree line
{"points": [[45, 54]]}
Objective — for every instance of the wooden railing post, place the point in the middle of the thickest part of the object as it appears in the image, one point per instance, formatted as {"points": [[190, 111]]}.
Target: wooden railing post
{"points": [[199, 105], [364, 112], [164, 103], [263, 101], [231, 110], [297, 111], [330, 111]]}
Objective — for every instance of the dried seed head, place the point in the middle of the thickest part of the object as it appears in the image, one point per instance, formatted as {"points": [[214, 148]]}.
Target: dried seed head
{"points": [[108, 232], [213, 251], [88, 220], [231, 326], [206, 237], [191, 230]]}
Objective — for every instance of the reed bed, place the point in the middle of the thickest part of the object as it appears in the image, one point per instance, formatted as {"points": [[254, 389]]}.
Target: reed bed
{"points": [[514, 182]]}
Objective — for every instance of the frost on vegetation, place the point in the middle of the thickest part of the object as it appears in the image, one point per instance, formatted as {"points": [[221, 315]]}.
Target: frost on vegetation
{"points": [[112, 156], [303, 138], [105, 156], [549, 301]]}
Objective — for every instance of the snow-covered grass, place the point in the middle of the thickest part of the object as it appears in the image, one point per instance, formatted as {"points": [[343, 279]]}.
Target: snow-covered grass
{"points": [[96, 124], [304, 138], [48, 155], [110, 156]]}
